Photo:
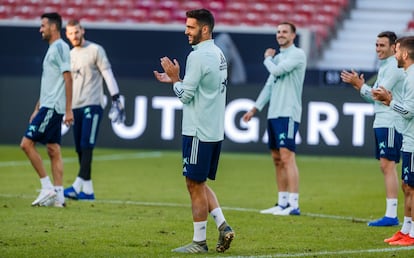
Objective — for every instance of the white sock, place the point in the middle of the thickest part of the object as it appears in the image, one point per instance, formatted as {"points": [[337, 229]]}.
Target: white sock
{"points": [[77, 185], [218, 216], [283, 198], [412, 230], [294, 200], [87, 187], [406, 227], [46, 183], [59, 194], [391, 210], [200, 229]]}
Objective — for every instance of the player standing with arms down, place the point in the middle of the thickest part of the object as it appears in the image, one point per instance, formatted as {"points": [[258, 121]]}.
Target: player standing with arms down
{"points": [[90, 66], [203, 94], [405, 109], [46, 121], [388, 139], [283, 91]]}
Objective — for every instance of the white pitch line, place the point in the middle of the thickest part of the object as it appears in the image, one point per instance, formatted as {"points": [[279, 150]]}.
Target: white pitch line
{"points": [[322, 253], [333, 253], [139, 155], [163, 204], [328, 253]]}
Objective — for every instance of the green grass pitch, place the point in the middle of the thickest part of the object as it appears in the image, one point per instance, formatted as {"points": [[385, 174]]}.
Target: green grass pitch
{"points": [[143, 208]]}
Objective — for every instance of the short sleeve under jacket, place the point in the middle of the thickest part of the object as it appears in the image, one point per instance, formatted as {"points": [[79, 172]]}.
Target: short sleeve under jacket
{"points": [[52, 87]]}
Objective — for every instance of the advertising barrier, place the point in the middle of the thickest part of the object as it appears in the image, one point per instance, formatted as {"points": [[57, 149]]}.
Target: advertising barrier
{"points": [[335, 120]]}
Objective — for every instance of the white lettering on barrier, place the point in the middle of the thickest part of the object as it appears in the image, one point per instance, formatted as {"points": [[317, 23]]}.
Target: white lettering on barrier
{"points": [[250, 132], [323, 118], [359, 111], [140, 121], [325, 127], [168, 106]]}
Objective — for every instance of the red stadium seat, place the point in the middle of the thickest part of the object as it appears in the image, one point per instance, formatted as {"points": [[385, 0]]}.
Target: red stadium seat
{"points": [[308, 8], [26, 12], [92, 14], [145, 4], [215, 5], [115, 15], [179, 16], [341, 3], [237, 6], [160, 16], [251, 18], [410, 25], [124, 4], [167, 4], [286, 7], [137, 15], [273, 19], [71, 13], [300, 19], [6, 12], [324, 19], [322, 33], [228, 18], [330, 9], [190, 5], [262, 7], [321, 16]]}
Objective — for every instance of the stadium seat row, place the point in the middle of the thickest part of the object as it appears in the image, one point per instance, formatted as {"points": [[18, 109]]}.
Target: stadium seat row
{"points": [[321, 16]]}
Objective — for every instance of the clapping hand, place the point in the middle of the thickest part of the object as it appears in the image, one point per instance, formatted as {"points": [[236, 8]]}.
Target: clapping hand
{"points": [[383, 95]]}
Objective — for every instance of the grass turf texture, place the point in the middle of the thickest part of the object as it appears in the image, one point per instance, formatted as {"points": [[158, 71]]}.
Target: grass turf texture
{"points": [[143, 208]]}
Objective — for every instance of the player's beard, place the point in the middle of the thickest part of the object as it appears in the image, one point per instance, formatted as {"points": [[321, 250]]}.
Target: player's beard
{"points": [[400, 63], [77, 43], [196, 38], [283, 42], [46, 36]]}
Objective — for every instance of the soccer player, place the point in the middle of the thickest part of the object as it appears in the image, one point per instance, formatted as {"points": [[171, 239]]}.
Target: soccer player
{"points": [[90, 66], [283, 92], [388, 140], [405, 109], [45, 122], [203, 94]]}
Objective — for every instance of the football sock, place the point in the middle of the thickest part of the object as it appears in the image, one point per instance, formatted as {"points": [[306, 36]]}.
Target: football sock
{"points": [[77, 185], [283, 198], [412, 230], [218, 216], [406, 227], [391, 210], [200, 229], [85, 164], [59, 194], [46, 183], [294, 200], [87, 187]]}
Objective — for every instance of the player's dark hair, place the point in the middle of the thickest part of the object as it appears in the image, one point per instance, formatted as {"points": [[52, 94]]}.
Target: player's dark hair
{"points": [[54, 18], [407, 43], [291, 25], [203, 17], [392, 37]]}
